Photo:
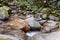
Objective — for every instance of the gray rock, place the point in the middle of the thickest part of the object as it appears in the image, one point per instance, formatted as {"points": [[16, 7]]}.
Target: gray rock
{"points": [[2, 15], [51, 17], [39, 36], [44, 16], [32, 22], [50, 26], [53, 36], [42, 21], [31, 35], [16, 33], [48, 36], [38, 16], [14, 11], [8, 36]]}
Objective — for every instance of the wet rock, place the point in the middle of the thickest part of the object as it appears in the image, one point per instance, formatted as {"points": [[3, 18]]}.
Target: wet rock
{"points": [[50, 26], [32, 22], [48, 36], [31, 34], [54, 36], [39, 36]]}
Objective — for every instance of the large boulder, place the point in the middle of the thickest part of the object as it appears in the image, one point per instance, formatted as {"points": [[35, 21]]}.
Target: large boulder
{"points": [[32, 22]]}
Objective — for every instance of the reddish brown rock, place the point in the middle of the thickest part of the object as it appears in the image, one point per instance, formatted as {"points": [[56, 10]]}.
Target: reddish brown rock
{"points": [[17, 23]]}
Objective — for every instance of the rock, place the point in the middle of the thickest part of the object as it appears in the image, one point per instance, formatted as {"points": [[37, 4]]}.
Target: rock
{"points": [[8, 30], [38, 16], [17, 33], [44, 16], [39, 36], [31, 34], [50, 26], [54, 36], [42, 21], [47, 36], [56, 19], [14, 11], [51, 17], [3, 13], [8, 37], [46, 10], [17, 23], [32, 22]]}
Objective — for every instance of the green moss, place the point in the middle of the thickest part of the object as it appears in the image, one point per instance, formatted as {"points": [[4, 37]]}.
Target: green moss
{"points": [[2, 9], [46, 10]]}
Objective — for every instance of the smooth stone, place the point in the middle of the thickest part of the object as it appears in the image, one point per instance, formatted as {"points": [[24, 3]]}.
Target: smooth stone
{"points": [[53, 36], [8, 36], [32, 22], [51, 17], [42, 21], [44, 16]]}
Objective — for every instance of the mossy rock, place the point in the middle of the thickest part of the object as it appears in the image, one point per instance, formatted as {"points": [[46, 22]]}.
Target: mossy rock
{"points": [[46, 10], [3, 13]]}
